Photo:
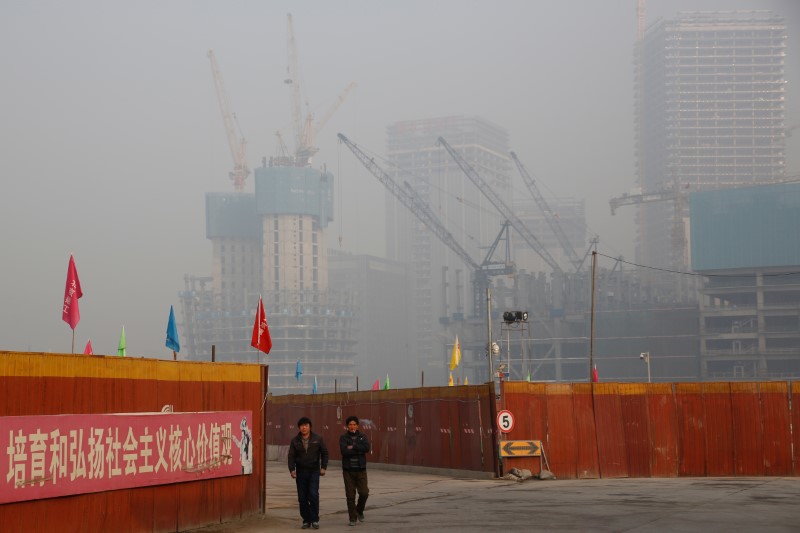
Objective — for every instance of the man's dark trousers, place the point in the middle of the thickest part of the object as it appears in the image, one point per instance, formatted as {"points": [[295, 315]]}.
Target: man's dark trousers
{"points": [[308, 495], [355, 480]]}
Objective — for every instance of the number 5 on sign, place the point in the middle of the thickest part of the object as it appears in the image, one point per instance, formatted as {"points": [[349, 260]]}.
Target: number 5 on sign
{"points": [[505, 421]]}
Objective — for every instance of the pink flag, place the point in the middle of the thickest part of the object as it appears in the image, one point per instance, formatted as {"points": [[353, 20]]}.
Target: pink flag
{"points": [[376, 385], [261, 338], [595, 377], [71, 314], [88, 349]]}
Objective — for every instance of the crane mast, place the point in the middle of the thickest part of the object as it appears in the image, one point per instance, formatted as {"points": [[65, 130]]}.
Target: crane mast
{"points": [[237, 144], [420, 208], [293, 79], [501, 206], [548, 213]]}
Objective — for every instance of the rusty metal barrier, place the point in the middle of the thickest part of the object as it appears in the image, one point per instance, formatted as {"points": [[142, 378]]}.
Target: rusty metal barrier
{"points": [[658, 429], [51, 384], [437, 427]]}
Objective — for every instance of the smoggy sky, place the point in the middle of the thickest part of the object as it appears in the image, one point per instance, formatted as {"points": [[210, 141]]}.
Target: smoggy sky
{"points": [[111, 134]]}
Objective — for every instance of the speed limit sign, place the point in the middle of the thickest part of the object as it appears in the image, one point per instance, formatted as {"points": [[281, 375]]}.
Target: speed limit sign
{"points": [[505, 421]]}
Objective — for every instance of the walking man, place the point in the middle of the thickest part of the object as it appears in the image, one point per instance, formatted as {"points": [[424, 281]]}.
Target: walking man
{"points": [[308, 459], [354, 447]]}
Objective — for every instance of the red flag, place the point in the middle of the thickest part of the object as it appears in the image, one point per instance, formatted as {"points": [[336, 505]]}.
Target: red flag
{"points": [[376, 385], [595, 377], [71, 314], [88, 349], [261, 338]]}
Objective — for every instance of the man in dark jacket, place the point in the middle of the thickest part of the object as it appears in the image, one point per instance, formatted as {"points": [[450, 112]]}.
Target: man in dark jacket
{"points": [[308, 459], [354, 447]]}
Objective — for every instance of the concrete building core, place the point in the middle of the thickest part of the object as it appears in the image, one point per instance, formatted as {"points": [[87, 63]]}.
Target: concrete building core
{"points": [[272, 245]]}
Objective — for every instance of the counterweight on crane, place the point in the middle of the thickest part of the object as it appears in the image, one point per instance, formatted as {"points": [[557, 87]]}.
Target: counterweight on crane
{"points": [[501, 206], [236, 143], [420, 208], [549, 215]]}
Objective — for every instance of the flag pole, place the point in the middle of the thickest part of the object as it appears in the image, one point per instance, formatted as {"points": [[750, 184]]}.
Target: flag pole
{"points": [[73, 341]]}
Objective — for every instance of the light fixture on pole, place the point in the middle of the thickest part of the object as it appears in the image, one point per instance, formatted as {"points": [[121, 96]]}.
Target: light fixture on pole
{"points": [[645, 356]]}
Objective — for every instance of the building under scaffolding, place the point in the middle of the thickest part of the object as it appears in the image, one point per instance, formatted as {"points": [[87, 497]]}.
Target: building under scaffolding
{"points": [[710, 115], [272, 244]]}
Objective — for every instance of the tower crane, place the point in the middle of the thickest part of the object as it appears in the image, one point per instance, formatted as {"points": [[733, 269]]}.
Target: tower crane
{"points": [[548, 213], [293, 79], [501, 206], [420, 208], [237, 144], [305, 132], [642, 198]]}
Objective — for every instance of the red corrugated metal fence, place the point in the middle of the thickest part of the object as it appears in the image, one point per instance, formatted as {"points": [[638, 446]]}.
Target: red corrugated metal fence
{"points": [[659, 429], [49, 384], [438, 427]]}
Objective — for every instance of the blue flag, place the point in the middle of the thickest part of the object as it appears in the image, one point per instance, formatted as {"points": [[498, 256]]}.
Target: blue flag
{"points": [[298, 370], [172, 332], [314, 388]]}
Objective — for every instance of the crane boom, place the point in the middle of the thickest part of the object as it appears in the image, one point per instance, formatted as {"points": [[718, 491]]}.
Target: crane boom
{"points": [[548, 213], [643, 198], [420, 208], [413, 202], [328, 114], [237, 144], [501, 206]]}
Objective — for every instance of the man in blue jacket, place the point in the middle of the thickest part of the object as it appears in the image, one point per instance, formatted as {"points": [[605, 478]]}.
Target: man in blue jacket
{"points": [[354, 447], [308, 460]]}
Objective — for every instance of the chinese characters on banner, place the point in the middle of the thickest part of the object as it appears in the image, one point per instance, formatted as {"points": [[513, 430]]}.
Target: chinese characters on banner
{"points": [[58, 455]]}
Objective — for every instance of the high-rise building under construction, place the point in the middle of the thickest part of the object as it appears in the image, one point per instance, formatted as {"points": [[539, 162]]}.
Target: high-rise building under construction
{"points": [[710, 115], [272, 244]]}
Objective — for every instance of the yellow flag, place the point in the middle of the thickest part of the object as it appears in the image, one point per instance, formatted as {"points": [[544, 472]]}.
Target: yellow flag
{"points": [[450, 381], [455, 357], [466, 380]]}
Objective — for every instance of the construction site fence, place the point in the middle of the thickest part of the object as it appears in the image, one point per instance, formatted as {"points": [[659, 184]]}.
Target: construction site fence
{"points": [[591, 430], [434, 427], [53, 384], [586, 430]]}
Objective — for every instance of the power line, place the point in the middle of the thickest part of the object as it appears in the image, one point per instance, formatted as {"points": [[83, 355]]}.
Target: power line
{"points": [[794, 273]]}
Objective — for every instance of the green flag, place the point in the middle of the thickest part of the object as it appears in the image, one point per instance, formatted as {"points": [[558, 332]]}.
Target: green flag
{"points": [[386, 383], [529, 375], [121, 349]]}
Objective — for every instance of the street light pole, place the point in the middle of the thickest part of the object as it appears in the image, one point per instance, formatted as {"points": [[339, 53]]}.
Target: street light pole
{"points": [[646, 357]]}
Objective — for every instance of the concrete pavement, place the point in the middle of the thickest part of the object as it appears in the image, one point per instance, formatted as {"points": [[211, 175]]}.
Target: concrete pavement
{"points": [[403, 501]]}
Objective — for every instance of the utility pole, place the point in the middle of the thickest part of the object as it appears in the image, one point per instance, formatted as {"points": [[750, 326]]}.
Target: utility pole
{"points": [[591, 333], [489, 346]]}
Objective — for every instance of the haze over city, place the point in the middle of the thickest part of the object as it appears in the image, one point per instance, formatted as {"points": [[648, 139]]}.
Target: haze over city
{"points": [[112, 133]]}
